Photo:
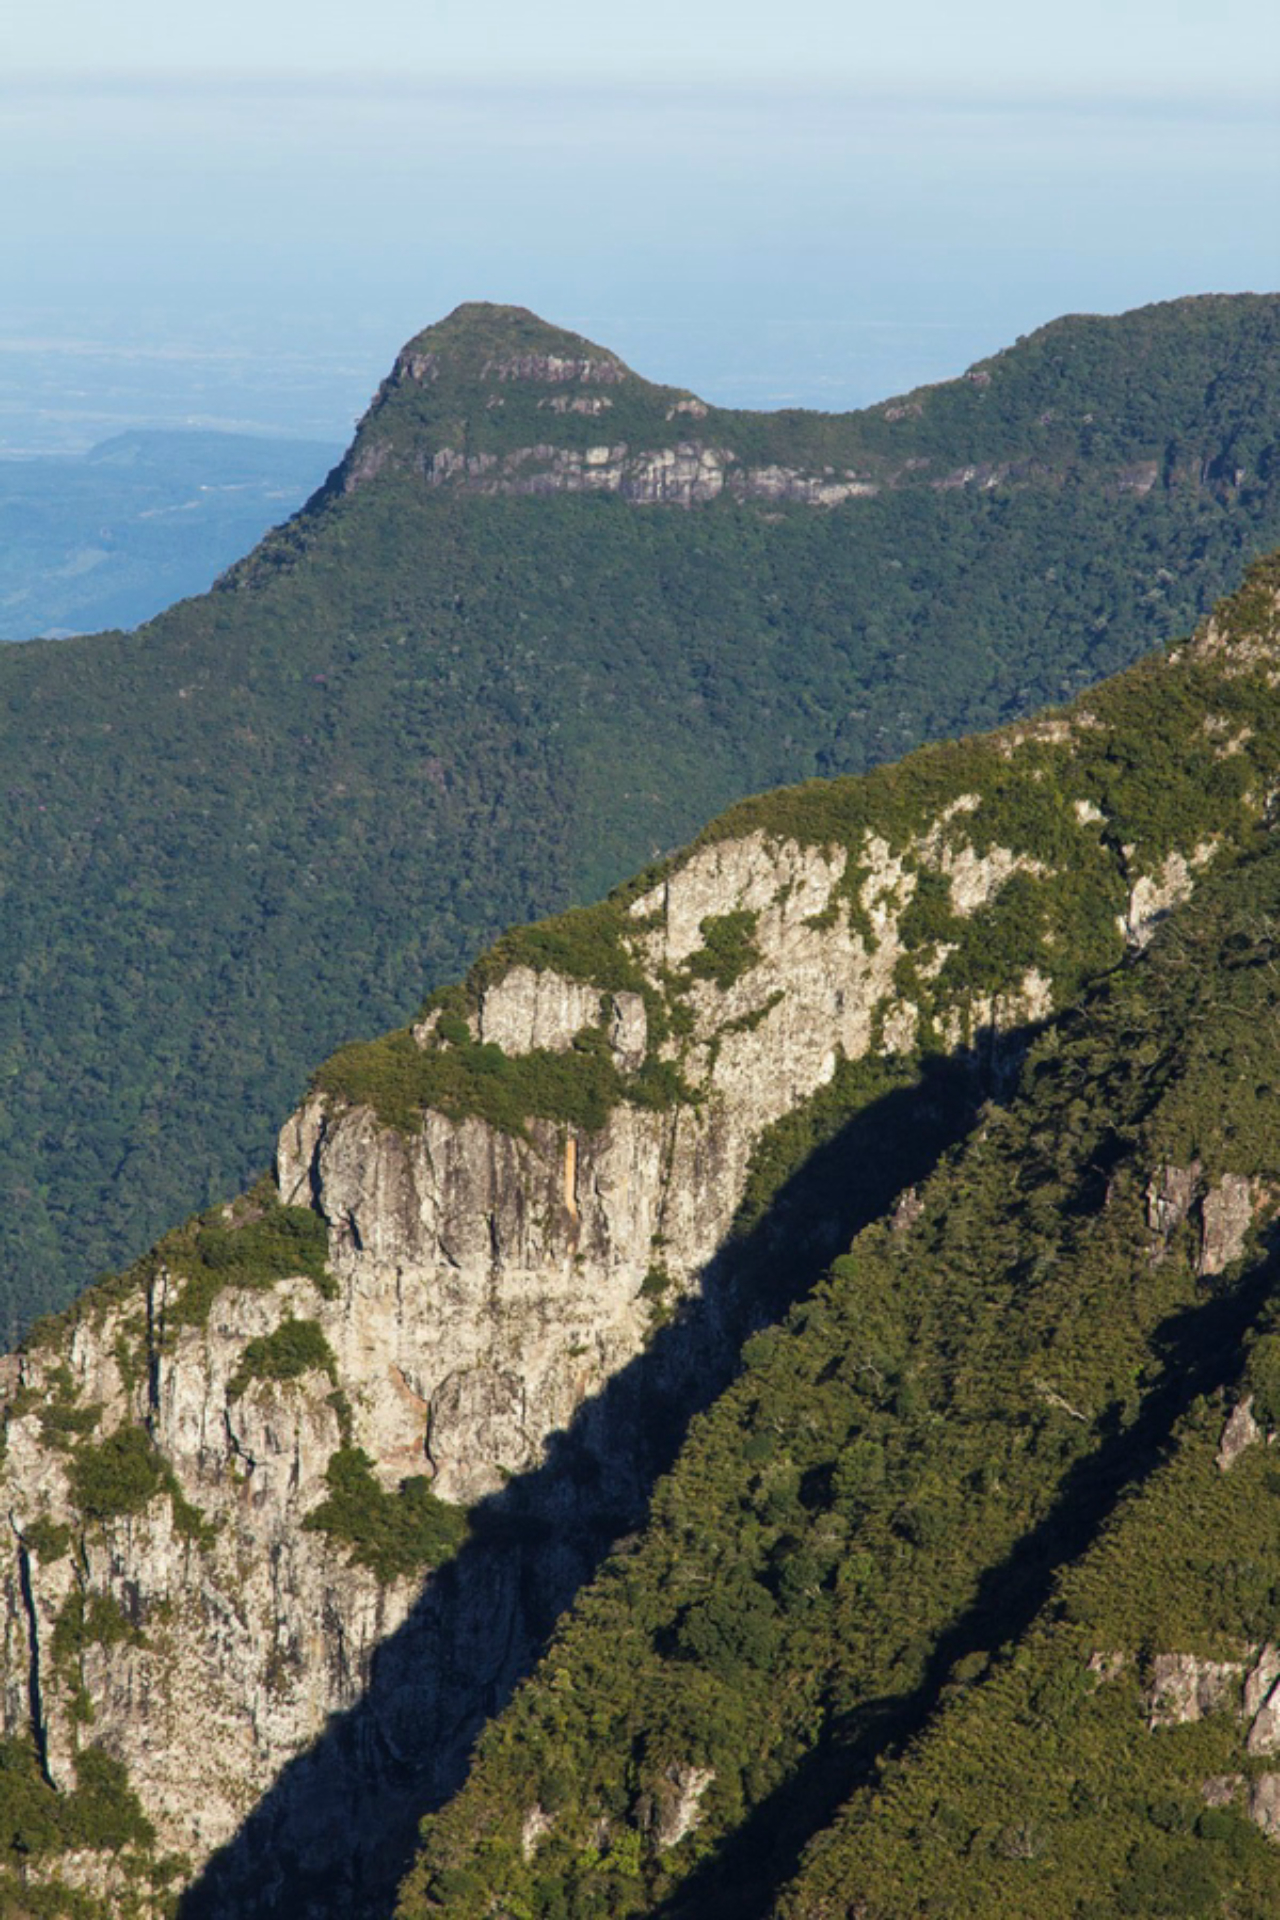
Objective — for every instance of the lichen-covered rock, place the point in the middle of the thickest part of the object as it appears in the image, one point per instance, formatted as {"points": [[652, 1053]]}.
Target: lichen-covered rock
{"points": [[1240, 1432], [1185, 1688], [1226, 1214]]}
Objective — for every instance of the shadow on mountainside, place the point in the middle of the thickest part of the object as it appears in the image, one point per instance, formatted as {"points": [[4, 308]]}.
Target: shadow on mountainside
{"points": [[335, 1834], [1200, 1349]]}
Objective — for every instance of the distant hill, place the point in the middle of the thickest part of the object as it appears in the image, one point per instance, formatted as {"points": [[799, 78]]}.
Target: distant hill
{"points": [[112, 537], [543, 619]]}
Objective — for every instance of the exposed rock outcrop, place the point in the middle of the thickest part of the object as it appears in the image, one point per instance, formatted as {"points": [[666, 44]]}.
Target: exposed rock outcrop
{"points": [[485, 1284], [678, 1810], [1264, 1804], [1226, 1213], [1240, 1432], [687, 474], [1153, 897], [1185, 1688], [1171, 1194], [1262, 1702]]}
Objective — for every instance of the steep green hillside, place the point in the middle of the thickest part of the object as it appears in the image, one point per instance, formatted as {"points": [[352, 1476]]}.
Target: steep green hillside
{"points": [[496, 665], [897, 1637]]}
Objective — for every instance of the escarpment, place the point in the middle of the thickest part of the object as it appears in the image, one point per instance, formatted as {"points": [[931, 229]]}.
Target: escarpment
{"points": [[485, 391], [545, 619], [492, 400], [685, 475], [257, 1487]]}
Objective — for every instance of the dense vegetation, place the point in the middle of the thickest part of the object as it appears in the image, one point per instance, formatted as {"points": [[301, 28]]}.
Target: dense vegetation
{"points": [[294, 1348], [871, 1588], [846, 1666], [396, 1534], [253, 1242], [279, 813], [100, 1811]]}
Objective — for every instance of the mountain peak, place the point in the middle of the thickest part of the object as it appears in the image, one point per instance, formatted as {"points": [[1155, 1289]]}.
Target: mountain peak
{"points": [[492, 399], [490, 389], [492, 343]]}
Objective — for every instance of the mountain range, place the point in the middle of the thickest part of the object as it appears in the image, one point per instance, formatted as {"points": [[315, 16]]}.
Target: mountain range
{"points": [[786, 1356], [543, 620]]}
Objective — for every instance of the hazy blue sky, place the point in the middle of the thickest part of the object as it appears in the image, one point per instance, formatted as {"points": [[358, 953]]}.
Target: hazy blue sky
{"points": [[1098, 44], [237, 215]]}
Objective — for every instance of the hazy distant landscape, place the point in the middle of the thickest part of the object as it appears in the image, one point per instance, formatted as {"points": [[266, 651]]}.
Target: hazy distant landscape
{"points": [[110, 537], [815, 243]]}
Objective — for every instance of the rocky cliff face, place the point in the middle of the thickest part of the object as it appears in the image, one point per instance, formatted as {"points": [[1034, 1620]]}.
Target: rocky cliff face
{"points": [[492, 400], [684, 475], [458, 393], [960, 1597], [212, 1549]]}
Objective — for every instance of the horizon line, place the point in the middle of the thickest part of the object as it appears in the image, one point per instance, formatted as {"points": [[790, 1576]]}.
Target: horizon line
{"points": [[1019, 92]]}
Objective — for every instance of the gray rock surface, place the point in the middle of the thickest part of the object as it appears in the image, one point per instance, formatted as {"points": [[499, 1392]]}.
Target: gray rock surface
{"points": [[1240, 1432], [689, 474], [1226, 1214], [1264, 1804], [1171, 1193], [1185, 1688]]}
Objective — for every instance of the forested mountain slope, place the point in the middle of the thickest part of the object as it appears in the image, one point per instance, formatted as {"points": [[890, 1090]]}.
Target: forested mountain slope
{"points": [[545, 620], [296, 1501], [982, 1543]]}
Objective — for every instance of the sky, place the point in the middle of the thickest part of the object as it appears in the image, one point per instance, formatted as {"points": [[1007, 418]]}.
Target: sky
{"points": [[1133, 45], [235, 216]]}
